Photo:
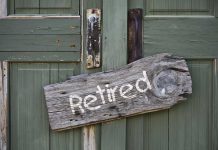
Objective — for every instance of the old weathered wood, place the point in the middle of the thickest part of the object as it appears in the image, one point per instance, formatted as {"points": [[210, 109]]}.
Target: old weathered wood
{"points": [[216, 8], [3, 106], [167, 80], [93, 38], [3, 8], [186, 37], [135, 27], [91, 134]]}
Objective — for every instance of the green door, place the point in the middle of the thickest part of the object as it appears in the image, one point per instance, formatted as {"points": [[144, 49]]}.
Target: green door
{"points": [[48, 50]]}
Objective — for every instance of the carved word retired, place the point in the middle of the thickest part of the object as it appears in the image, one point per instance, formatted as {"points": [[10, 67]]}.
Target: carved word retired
{"points": [[123, 91]]}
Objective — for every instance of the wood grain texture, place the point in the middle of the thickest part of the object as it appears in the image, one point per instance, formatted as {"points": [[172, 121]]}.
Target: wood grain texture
{"points": [[214, 130], [114, 52], [178, 7], [3, 8], [40, 26], [94, 141], [44, 7], [187, 37], [60, 7], [93, 38], [39, 43], [4, 106], [70, 139], [176, 83], [216, 8], [41, 56], [196, 113], [135, 34]]}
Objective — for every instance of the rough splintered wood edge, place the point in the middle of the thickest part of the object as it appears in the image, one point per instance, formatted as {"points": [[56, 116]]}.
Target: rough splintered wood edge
{"points": [[152, 59], [3, 105], [93, 42], [135, 34]]}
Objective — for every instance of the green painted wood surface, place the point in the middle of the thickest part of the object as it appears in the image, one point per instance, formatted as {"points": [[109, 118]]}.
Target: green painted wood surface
{"points": [[190, 126], [26, 6], [44, 7], [113, 134], [66, 140], [193, 119], [214, 129], [28, 116], [40, 26], [88, 5], [187, 37], [216, 8], [179, 7], [41, 56], [48, 39], [34, 43]]}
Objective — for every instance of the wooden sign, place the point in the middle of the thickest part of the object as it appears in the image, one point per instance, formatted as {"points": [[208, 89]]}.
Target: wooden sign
{"points": [[149, 84]]}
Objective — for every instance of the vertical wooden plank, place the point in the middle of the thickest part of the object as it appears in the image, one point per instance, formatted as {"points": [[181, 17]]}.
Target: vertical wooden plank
{"points": [[59, 7], [28, 117], [69, 139], [91, 135], [114, 33], [136, 4], [184, 7], [156, 131], [4, 105], [216, 8], [93, 38], [135, 27], [135, 133], [135, 125], [11, 7], [193, 117], [3, 8], [214, 129], [27, 6], [114, 55]]}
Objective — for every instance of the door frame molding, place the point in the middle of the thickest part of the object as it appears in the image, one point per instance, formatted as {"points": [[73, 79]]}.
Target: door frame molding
{"points": [[3, 8], [4, 110]]}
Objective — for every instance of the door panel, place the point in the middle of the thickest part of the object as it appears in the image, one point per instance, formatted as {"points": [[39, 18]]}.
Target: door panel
{"points": [[28, 115], [50, 39]]}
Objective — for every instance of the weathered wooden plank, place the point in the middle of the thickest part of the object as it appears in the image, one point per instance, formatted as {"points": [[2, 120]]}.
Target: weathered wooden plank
{"points": [[135, 34], [66, 139], [40, 26], [214, 130], [216, 8], [94, 141], [179, 7], [136, 4], [27, 6], [40, 56], [59, 7], [3, 8], [166, 81], [114, 55], [29, 127], [93, 38], [4, 105], [135, 125], [135, 133], [39, 43], [187, 37], [195, 113]]}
